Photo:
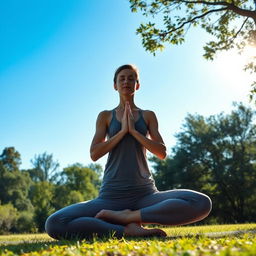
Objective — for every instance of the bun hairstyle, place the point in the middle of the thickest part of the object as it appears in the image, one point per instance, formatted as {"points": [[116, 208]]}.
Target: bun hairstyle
{"points": [[127, 66]]}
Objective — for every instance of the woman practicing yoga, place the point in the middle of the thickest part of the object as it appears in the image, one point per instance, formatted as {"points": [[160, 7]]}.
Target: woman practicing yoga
{"points": [[128, 196]]}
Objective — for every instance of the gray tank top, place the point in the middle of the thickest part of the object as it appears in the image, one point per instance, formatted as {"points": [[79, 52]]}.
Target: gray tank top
{"points": [[126, 172]]}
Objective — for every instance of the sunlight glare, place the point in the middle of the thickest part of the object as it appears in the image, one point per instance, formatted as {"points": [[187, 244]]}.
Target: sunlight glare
{"points": [[249, 52], [229, 66]]}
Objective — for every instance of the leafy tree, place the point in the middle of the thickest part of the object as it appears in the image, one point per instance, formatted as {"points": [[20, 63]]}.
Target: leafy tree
{"points": [[230, 22], [45, 168], [82, 179], [25, 223], [41, 195], [216, 155], [78, 183], [8, 217], [97, 168], [14, 184], [10, 159]]}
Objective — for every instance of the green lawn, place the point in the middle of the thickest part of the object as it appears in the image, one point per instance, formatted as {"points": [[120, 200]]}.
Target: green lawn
{"points": [[185, 241]]}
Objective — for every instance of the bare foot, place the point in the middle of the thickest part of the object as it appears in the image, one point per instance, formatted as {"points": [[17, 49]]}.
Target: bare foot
{"points": [[134, 229], [117, 217]]}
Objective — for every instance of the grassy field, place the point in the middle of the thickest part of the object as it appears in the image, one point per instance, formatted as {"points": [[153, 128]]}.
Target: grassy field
{"points": [[190, 240]]}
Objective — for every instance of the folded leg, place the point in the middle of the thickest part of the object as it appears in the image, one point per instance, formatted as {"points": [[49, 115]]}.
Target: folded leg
{"points": [[77, 221], [174, 207]]}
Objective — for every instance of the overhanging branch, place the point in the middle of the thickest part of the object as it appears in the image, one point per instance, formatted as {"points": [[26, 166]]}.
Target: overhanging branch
{"points": [[234, 37], [230, 6], [191, 20]]}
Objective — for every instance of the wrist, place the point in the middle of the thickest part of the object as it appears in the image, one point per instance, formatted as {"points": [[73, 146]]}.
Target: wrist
{"points": [[133, 132], [122, 132]]}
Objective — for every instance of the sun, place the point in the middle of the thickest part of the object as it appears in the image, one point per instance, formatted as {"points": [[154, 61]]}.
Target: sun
{"points": [[229, 67], [249, 53]]}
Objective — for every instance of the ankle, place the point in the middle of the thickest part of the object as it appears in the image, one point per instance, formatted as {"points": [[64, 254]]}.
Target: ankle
{"points": [[135, 217]]}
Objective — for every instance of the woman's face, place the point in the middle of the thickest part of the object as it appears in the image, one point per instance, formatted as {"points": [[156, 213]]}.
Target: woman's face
{"points": [[126, 82]]}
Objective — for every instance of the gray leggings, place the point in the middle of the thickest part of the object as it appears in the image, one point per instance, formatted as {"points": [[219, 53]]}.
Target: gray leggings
{"points": [[172, 207]]}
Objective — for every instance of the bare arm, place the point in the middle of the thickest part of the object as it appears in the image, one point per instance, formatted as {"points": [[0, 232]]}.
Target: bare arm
{"points": [[100, 146], [155, 144]]}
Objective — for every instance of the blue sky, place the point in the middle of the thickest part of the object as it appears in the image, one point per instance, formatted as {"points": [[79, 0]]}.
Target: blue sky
{"points": [[57, 60]]}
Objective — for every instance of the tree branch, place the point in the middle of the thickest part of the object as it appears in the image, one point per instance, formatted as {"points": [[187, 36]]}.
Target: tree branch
{"points": [[242, 12], [206, 3], [230, 6], [234, 37], [237, 33], [191, 20]]}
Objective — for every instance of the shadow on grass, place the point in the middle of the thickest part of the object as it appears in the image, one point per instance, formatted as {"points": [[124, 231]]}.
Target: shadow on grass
{"points": [[26, 247], [20, 247]]}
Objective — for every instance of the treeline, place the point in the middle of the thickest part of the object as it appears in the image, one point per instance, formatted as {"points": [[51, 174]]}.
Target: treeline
{"points": [[215, 155], [28, 197]]}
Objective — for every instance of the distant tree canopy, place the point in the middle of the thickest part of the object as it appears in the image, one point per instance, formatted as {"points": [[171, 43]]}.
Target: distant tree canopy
{"points": [[14, 185], [44, 168], [216, 155], [28, 197], [231, 22]]}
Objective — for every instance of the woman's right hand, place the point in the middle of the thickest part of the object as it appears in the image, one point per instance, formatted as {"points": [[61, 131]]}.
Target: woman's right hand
{"points": [[125, 127]]}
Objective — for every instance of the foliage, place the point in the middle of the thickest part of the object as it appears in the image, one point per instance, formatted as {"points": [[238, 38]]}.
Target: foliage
{"points": [[71, 197], [14, 185], [183, 241], [45, 168], [82, 179], [10, 159], [25, 222], [41, 194], [231, 24], [96, 168], [8, 217], [36, 193], [216, 155]]}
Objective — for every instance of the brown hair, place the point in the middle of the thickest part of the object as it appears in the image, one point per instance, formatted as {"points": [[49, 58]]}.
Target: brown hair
{"points": [[127, 66]]}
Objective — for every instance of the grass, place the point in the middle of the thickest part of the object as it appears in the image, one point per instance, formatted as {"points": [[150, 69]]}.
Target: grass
{"points": [[182, 241]]}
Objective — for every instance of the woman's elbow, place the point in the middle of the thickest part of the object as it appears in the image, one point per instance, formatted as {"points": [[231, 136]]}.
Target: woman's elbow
{"points": [[93, 156], [162, 156], [94, 159], [163, 153]]}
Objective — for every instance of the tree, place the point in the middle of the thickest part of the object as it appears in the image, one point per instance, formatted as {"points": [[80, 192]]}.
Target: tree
{"points": [[78, 183], [8, 217], [216, 155], [41, 194], [14, 184], [82, 179], [10, 159], [97, 168], [231, 22], [45, 168]]}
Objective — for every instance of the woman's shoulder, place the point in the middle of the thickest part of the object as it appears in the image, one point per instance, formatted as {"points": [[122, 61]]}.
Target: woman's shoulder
{"points": [[105, 115], [148, 115]]}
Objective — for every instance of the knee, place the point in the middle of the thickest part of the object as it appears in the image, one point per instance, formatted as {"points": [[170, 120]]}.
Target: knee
{"points": [[205, 205], [53, 226]]}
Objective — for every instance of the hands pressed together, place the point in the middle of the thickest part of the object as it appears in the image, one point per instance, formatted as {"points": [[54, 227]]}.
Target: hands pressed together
{"points": [[100, 146], [128, 120]]}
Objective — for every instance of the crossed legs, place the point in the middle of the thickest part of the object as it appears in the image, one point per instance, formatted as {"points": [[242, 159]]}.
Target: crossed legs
{"points": [[102, 217], [172, 207]]}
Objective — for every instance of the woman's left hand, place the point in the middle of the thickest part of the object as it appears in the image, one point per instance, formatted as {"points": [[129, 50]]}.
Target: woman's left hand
{"points": [[131, 126]]}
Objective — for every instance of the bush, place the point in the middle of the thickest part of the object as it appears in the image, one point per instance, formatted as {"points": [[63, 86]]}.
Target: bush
{"points": [[25, 223], [8, 217]]}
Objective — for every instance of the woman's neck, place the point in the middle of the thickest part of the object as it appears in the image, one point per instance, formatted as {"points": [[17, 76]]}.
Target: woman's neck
{"points": [[123, 100]]}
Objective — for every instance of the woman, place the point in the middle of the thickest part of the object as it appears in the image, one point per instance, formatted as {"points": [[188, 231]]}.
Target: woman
{"points": [[128, 196]]}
